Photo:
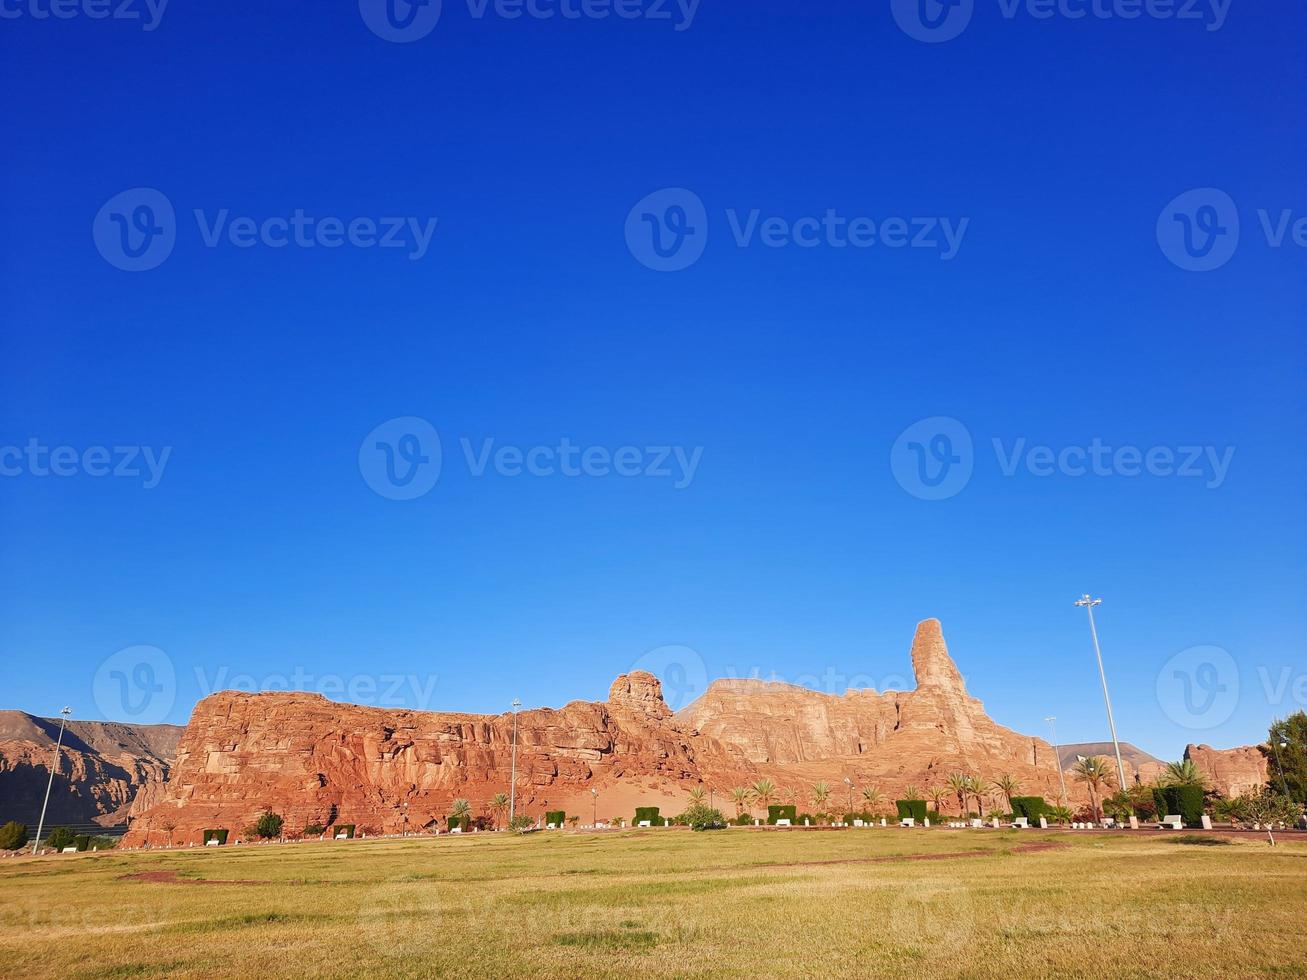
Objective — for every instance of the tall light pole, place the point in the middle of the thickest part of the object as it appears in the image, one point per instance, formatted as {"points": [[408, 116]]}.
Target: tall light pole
{"points": [[63, 720], [1283, 743], [1089, 605], [512, 778], [594, 807], [1057, 757], [849, 783]]}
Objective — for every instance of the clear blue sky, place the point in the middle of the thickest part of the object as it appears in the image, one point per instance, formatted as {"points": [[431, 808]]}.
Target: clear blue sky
{"points": [[794, 550]]}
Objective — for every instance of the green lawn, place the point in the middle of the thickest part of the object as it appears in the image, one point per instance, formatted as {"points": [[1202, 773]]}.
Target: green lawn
{"points": [[668, 902]]}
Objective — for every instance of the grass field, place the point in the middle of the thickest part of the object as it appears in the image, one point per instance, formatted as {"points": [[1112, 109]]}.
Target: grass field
{"points": [[877, 902]]}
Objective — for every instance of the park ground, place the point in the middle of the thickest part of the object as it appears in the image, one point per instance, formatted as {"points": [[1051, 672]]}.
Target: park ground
{"points": [[669, 902]]}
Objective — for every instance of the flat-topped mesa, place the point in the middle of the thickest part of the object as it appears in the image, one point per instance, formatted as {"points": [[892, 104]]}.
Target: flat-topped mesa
{"points": [[933, 667], [639, 692]]}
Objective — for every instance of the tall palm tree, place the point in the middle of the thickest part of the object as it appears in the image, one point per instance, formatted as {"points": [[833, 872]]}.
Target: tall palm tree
{"points": [[820, 796], [697, 794], [742, 797], [872, 797], [979, 789], [1009, 786], [498, 804], [912, 793], [959, 785], [1183, 773], [1096, 774], [937, 795], [764, 792]]}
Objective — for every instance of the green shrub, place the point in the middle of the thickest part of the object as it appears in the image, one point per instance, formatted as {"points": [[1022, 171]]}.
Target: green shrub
{"points": [[916, 809], [461, 822], [555, 817], [268, 825], [82, 842], [777, 811], [1186, 801], [101, 843], [220, 835], [314, 830], [811, 820], [700, 816], [521, 823], [341, 828], [1030, 807], [649, 813], [60, 837], [743, 820], [13, 835]]}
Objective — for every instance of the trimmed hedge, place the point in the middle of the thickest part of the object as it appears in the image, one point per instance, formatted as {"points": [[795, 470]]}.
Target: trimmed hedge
{"points": [[82, 842], [782, 811], [555, 817], [460, 822], [1030, 807], [220, 835], [348, 828], [1184, 800], [916, 809], [649, 813]]}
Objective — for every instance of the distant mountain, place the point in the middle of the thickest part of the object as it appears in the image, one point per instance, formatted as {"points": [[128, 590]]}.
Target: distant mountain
{"points": [[102, 767], [1147, 766]]}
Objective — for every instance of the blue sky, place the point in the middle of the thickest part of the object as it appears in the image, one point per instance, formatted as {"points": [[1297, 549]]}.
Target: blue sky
{"points": [[271, 545]]}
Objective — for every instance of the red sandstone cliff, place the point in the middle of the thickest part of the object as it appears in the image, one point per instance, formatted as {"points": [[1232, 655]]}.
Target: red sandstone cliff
{"points": [[315, 761], [1231, 772]]}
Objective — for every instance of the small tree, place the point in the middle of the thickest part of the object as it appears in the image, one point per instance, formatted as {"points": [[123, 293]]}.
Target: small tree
{"points": [[873, 798], [959, 786], [700, 816], [268, 825], [742, 797], [697, 794], [169, 825], [1096, 774], [498, 804], [1183, 773], [1009, 786], [820, 797], [314, 830], [1266, 808], [60, 837], [13, 835], [764, 792]]}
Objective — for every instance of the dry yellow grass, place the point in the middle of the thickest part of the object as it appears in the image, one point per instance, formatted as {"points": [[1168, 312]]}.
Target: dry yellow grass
{"points": [[735, 903]]}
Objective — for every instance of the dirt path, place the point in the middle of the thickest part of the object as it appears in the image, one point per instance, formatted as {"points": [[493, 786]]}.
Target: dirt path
{"points": [[1030, 848], [171, 878]]}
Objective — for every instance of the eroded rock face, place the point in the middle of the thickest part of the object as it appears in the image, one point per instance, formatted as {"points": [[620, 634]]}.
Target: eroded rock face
{"points": [[103, 768], [1232, 772], [317, 762]]}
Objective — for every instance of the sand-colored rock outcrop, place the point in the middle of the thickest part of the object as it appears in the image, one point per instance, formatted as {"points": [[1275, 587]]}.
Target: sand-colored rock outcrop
{"points": [[1231, 772], [317, 762]]}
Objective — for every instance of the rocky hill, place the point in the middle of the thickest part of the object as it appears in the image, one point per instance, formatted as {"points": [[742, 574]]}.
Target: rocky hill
{"points": [[316, 761], [103, 766]]}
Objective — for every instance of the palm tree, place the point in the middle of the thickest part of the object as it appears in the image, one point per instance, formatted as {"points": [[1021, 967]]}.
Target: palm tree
{"points": [[912, 793], [959, 785], [937, 795], [498, 804], [872, 797], [1095, 773], [742, 797], [1183, 773], [459, 811], [820, 796], [697, 794], [979, 789], [1009, 786], [764, 792]]}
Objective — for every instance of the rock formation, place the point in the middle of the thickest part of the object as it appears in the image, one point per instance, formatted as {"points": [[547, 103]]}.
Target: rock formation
{"points": [[1231, 772], [1140, 766], [103, 767], [318, 762]]}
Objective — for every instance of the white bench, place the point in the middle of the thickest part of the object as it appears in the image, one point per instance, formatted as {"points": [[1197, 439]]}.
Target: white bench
{"points": [[783, 822], [1021, 823], [1172, 821], [977, 822], [907, 822], [643, 823]]}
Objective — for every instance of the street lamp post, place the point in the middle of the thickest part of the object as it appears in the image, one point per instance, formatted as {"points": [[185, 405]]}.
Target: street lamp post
{"points": [[849, 783], [1089, 605], [512, 777], [1057, 758], [63, 720], [1280, 742], [594, 807]]}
